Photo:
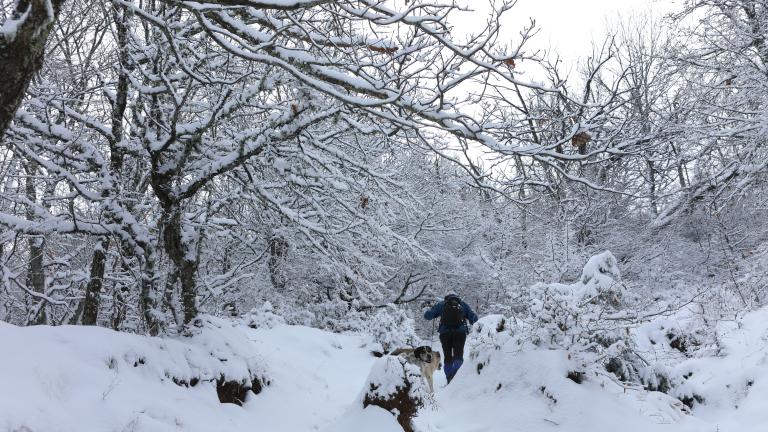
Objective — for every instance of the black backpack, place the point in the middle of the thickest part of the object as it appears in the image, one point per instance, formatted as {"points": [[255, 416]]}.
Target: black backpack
{"points": [[453, 313]]}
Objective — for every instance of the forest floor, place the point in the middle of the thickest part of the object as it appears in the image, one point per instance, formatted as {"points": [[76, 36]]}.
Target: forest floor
{"points": [[92, 379]]}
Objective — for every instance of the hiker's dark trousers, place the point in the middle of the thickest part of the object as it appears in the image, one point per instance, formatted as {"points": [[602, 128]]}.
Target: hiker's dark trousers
{"points": [[453, 345]]}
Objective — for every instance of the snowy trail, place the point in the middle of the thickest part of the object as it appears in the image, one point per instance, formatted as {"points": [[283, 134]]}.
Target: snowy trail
{"points": [[62, 379], [317, 377], [328, 386]]}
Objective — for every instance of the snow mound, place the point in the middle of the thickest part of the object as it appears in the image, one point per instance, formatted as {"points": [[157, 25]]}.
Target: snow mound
{"points": [[390, 374], [507, 380], [396, 386], [731, 389], [91, 379], [369, 419]]}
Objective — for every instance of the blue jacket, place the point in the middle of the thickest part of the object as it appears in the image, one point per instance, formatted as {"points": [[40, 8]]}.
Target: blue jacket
{"points": [[437, 310]]}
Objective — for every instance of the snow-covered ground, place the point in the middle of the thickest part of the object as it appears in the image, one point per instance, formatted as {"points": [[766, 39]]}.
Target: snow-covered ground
{"points": [[734, 382], [92, 379]]}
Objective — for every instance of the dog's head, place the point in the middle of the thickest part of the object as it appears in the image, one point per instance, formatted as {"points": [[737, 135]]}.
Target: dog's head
{"points": [[424, 353]]}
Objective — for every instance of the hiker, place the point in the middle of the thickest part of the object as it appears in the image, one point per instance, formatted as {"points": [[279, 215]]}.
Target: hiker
{"points": [[453, 329]]}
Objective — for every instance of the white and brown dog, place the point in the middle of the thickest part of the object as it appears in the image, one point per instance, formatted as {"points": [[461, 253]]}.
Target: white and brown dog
{"points": [[427, 360]]}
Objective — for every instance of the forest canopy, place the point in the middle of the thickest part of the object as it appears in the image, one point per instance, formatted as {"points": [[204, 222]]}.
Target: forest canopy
{"points": [[165, 159]]}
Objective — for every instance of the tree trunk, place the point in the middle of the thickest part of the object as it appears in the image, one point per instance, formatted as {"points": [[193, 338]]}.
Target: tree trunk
{"points": [[171, 302], [184, 259], [652, 188], [153, 317], [35, 280], [119, 291], [36, 275], [95, 283], [524, 209], [118, 308], [680, 166], [121, 94], [22, 53], [278, 247]]}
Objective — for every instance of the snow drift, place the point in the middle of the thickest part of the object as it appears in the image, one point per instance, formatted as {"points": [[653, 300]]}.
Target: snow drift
{"points": [[558, 368], [64, 379], [88, 378]]}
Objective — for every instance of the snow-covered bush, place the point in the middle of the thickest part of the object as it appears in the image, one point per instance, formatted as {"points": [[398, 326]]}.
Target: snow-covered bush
{"points": [[228, 359], [263, 317], [606, 328], [392, 328], [593, 319], [335, 315], [398, 387], [489, 335], [578, 314], [732, 377]]}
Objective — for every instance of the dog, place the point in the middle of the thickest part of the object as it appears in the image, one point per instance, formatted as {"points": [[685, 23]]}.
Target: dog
{"points": [[427, 360]]}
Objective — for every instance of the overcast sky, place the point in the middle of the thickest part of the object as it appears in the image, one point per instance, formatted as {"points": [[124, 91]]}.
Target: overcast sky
{"points": [[570, 25], [567, 26]]}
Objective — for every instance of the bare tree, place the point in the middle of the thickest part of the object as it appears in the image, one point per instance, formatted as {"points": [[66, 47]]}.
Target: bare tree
{"points": [[23, 38]]}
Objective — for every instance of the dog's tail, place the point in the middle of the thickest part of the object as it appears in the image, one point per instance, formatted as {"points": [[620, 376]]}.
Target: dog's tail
{"points": [[379, 354], [396, 352]]}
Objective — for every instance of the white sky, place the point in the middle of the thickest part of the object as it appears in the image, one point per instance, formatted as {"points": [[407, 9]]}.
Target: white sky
{"points": [[565, 26], [570, 25]]}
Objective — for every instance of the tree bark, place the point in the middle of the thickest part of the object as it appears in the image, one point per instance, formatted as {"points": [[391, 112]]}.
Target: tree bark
{"points": [[278, 247], [35, 279], [95, 284], [148, 301], [22, 53], [184, 260], [680, 167], [652, 188], [119, 292]]}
